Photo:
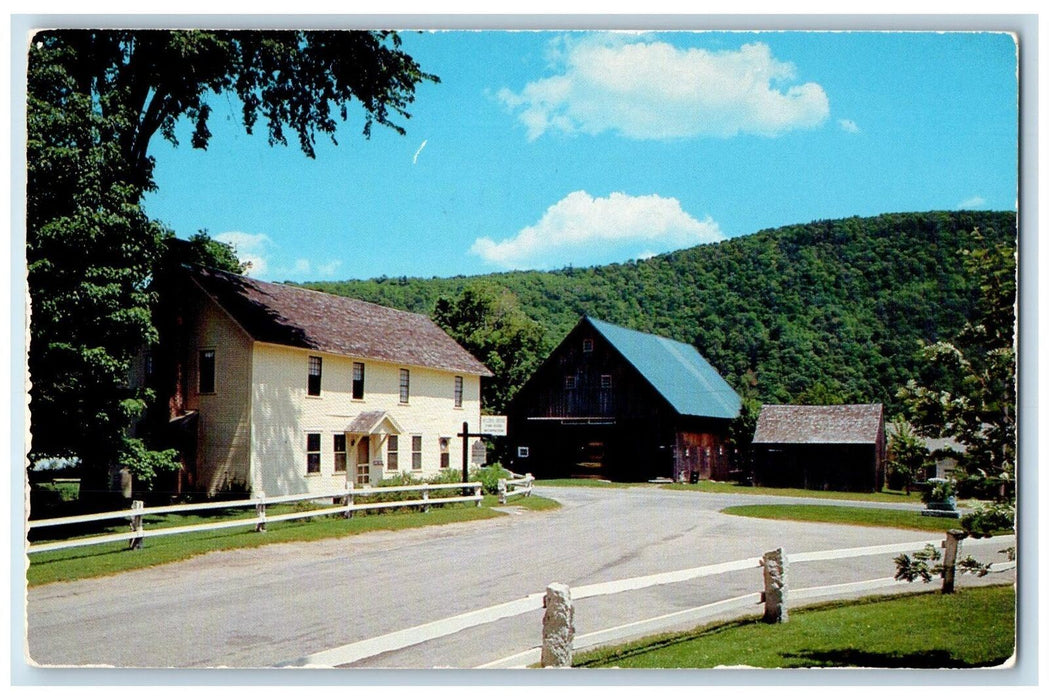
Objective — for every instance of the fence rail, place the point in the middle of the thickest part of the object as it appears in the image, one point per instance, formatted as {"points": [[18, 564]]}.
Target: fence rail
{"points": [[402, 639], [518, 486], [346, 507]]}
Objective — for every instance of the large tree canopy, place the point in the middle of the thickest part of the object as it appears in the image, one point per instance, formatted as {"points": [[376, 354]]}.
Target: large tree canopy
{"points": [[95, 100]]}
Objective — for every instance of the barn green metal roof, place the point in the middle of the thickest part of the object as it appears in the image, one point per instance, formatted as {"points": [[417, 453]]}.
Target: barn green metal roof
{"points": [[676, 370]]}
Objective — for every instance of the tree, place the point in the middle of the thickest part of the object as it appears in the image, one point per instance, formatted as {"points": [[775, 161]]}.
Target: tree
{"points": [[95, 100], [974, 400], [487, 320], [909, 458]]}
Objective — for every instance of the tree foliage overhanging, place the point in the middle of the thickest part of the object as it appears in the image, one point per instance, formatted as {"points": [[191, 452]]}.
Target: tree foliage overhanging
{"points": [[833, 311], [95, 101]]}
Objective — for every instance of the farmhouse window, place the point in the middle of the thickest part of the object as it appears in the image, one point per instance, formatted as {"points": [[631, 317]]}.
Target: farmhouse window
{"points": [[313, 383], [339, 447], [458, 392], [391, 453], [313, 453], [405, 379], [417, 452], [358, 380], [446, 457], [606, 381], [206, 372]]}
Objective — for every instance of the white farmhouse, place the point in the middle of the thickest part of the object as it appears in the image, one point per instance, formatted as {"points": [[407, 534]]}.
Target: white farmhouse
{"points": [[285, 390]]}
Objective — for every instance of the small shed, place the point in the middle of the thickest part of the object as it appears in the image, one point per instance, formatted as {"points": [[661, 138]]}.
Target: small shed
{"points": [[614, 403], [835, 448]]}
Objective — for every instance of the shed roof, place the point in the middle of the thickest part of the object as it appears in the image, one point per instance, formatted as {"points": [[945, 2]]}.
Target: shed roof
{"points": [[813, 425], [676, 370], [303, 318]]}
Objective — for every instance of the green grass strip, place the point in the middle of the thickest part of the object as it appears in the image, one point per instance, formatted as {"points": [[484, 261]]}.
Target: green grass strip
{"points": [[846, 515], [973, 627], [725, 487], [109, 559]]}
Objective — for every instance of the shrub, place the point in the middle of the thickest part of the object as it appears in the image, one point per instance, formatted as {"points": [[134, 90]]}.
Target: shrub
{"points": [[489, 477], [989, 519]]}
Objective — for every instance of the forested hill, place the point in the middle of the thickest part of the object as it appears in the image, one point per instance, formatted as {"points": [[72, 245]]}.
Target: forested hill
{"points": [[831, 311]]}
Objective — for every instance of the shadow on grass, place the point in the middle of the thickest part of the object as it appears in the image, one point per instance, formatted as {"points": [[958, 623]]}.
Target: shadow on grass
{"points": [[932, 658], [664, 642]]}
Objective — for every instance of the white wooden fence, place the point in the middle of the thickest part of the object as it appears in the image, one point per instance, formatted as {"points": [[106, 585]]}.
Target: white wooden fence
{"points": [[518, 486], [402, 639], [344, 499]]}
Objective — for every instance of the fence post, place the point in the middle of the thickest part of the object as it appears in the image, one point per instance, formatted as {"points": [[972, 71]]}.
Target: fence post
{"points": [[775, 572], [426, 497], [528, 486], [950, 558], [260, 511], [502, 491], [558, 627], [136, 525], [477, 494], [349, 500]]}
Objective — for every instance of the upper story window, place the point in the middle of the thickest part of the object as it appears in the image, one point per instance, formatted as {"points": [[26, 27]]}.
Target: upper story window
{"points": [[606, 381], [570, 382], [405, 386], [313, 380], [358, 380], [458, 392], [206, 372], [588, 344], [313, 453]]}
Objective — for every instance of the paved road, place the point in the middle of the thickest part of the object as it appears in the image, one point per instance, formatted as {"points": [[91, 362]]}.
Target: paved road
{"points": [[262, 607]]}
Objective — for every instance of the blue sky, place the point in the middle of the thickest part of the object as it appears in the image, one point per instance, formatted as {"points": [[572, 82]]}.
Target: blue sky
{"points": [[542, 149]]}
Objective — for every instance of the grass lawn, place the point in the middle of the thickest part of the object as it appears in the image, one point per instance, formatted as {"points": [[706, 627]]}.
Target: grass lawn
{"points": [[846, 515], [971, 628], [107, 559], [725, 487]]}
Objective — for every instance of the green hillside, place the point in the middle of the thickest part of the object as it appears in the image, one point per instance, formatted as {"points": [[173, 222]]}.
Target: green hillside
{"points": [[820, 312]]}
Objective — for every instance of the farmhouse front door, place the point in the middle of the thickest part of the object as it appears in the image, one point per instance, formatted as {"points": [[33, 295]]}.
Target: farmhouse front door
{"points": [[364, 461]]}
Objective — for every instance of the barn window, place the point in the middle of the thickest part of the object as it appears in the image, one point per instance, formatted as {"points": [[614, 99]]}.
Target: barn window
{"points": [[522, 451], [313, 380], [606, 381], [358, 380], [417, 452], [458, 392], [313, 453], [339, 447], [588, 344], [206, 372], [405, 380], [392, 463], [570, 382]]}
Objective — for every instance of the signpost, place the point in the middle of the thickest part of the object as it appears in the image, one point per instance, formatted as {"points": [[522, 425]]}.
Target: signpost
{"points": [[490, 426]]}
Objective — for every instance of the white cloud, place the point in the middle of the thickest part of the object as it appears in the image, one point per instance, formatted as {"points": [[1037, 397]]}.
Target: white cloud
{"points": [[265, 260], [584, 230], [972, 203], [651, 90], [251, 248], [849, 126]]}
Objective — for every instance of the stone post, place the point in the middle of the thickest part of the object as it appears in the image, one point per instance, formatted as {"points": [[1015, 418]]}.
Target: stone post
{"points": [[528, 486], [502, 492], [349, 500], [260, 511], [426, 497], [558, 627], [775, 570], [950, 558], [477, 493], [136, 525]]}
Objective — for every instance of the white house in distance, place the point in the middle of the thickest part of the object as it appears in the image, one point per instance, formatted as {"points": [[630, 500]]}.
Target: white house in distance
{"points": [[285, 390]]}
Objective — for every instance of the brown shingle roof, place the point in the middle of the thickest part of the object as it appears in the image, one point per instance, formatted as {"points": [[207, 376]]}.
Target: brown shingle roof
{"points": [[303, 318], [849, 424]]}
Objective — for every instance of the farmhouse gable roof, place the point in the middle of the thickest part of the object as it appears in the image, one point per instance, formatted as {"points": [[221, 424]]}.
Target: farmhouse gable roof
{"points": [[814, 425], [303, 318]]}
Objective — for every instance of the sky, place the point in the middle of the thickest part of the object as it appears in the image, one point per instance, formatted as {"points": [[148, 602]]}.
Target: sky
{"points": [[540, 150]]}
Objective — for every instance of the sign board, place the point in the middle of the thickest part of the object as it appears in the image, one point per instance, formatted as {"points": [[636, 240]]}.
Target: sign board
{"points": [[478, 453], [493, 425]]}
